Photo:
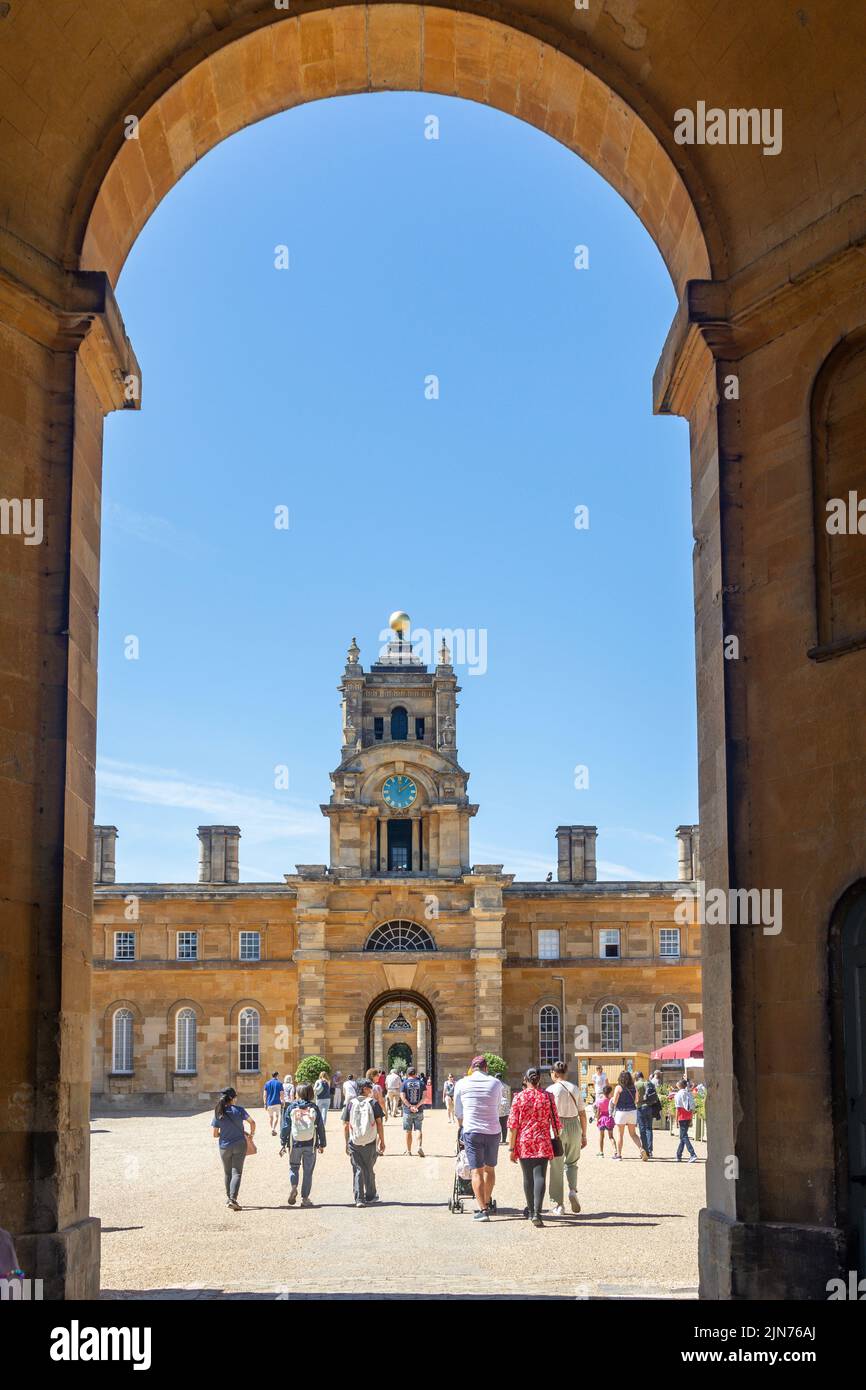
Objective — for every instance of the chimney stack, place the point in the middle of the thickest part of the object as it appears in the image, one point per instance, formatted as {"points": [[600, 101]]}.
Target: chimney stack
{"points": [[218, 855], [104, 845], [575, 853], [688, 867]]}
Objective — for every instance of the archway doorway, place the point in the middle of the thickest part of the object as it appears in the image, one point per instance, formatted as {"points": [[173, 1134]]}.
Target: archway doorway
{"points": [[401, 1024], [848, 1006]]}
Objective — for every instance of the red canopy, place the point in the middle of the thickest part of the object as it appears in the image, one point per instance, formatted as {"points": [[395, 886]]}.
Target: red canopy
{"points": [[692, 1046]]}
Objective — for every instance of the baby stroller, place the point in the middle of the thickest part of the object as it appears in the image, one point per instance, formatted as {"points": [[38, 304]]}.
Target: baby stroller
{"points": [[462, 1179]]}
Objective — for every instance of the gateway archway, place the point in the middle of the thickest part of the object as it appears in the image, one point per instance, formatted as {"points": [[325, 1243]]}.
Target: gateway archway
{"points": [[401, 1017], [783, 254]]}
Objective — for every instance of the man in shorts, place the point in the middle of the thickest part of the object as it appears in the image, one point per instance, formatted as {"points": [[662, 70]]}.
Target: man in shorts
{"points": [[393, 1082], [476, 1103], [412, 1093], [271, 1093]]}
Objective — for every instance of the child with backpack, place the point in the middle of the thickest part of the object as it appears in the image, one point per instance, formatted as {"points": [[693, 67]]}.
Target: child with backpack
{"points": [[303, 1134], [362, 1118]]}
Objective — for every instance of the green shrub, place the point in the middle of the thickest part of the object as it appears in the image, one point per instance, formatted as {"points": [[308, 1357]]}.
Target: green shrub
{"points": [[308, 1070], [495, 1065], [398, 1053]]}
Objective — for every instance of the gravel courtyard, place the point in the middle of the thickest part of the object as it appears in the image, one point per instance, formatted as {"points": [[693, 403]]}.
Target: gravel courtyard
{"points": [[157, 1186]]}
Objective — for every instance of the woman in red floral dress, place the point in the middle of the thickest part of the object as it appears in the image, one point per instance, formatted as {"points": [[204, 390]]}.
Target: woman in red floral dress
{"points": [[533, 1116]]}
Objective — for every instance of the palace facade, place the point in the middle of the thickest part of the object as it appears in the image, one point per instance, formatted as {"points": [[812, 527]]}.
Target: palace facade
{"points": [[399, 939]]}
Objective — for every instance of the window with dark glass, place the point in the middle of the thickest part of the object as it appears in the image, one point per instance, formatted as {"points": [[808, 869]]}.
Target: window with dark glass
{"points": [[378, 728], [419, 729], [399, 723]]}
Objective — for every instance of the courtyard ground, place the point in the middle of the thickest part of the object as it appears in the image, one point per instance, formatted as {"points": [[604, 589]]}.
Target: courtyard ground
{"points": [[157, 1186]]}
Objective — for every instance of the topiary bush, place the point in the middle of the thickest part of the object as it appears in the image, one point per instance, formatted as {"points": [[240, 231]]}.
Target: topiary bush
{"points": [[496, 1065], [308, 1070]]}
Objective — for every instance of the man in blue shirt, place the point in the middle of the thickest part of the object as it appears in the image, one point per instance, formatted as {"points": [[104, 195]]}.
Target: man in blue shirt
{"points": [[412, 1093], [271, 1093]]}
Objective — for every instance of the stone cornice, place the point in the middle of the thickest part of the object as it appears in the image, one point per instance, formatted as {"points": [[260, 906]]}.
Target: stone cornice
{"points": [[66, 310]]}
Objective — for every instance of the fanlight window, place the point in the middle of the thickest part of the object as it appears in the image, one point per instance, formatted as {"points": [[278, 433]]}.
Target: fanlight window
{"points": [[400, 936]]}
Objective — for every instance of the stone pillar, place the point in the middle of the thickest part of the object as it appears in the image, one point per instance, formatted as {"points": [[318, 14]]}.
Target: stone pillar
{"points": [[416, 840], [575, 853], [64, 363], [104, 842], [378, 1043], [421, 1042], [218, 853], [688, 850]]}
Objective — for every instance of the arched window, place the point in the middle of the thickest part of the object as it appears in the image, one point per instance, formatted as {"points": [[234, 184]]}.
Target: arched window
{"points": [[548, 1035], [611, 1029], [400, 936], [121, 1050], [248, 1040], [399, 723], [672, 1024], [184, 1041]]}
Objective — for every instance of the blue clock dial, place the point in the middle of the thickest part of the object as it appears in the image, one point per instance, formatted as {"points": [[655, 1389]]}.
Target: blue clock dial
{"points": [[399, 792]]}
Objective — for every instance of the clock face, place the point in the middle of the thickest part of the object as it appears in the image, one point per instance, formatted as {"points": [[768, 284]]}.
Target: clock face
{"points": [[399, 792]]}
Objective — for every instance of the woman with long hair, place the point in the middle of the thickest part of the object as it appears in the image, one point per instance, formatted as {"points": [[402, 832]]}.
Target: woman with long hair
{"points": [[228, 1127], [623, 1105], [532, 1120]]}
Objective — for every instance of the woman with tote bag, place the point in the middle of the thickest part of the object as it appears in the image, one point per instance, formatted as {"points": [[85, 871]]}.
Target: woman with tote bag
{"points": [[234, 1142]]}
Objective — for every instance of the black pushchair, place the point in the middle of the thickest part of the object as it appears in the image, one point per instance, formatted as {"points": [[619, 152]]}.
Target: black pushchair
{"points": [[462, 1186]]}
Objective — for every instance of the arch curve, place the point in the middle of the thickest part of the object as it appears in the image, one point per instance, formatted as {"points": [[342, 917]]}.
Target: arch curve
{"points": [[358, 48], [400, 934]]}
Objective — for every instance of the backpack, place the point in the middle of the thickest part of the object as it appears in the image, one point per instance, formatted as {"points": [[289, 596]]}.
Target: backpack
{"points": [[303, 1124], [651, 1100], [362, 1123], [321, 1089], [689, 1101], [413, 1090]]}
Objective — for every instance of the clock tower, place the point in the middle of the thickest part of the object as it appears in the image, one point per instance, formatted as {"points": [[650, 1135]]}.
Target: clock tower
{"points": [[399, 805]]}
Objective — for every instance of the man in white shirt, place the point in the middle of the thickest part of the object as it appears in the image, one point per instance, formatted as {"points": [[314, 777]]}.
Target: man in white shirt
{"points": [[599, 1081], [572, 1112], [476, 1103], [393, 1082]]}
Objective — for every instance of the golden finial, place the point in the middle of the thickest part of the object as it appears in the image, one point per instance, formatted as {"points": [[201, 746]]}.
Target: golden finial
{"points": [[400, 623]]}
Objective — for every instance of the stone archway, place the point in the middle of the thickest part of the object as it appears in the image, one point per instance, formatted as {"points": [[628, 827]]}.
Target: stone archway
{"points": [[423, 1046], [783, 239]]}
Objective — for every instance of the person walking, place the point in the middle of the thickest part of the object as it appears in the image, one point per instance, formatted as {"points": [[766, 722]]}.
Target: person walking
{"points": [[623, 1103], [271, 1093], [504, 1108], [365, 1140], [648, 1109], [322, 1093], [228, 1126], [571, 1108], [378, 1090], [393, 1082], [476, 1104], [350, 1088], [303, 1134], [337, 1098], [531, 1121], [599, 1081], [604, 1121], [412, 1094], [448, 1096], [684, 1101]]}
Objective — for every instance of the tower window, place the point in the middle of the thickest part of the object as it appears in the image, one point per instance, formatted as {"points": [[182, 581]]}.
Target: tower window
{"points": [[419, 730], [399, 723], [378, 729]]}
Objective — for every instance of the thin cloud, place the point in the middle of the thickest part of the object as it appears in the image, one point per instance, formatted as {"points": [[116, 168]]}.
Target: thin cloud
{"points": [[259, 817], [152, 530]]}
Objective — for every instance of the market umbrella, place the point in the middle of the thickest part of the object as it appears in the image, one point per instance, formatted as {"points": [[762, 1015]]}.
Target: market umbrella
{"points": [[692, 1046]]}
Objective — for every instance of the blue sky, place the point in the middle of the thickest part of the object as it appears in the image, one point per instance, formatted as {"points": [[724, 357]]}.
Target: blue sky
{"points": [[305, 388]]}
